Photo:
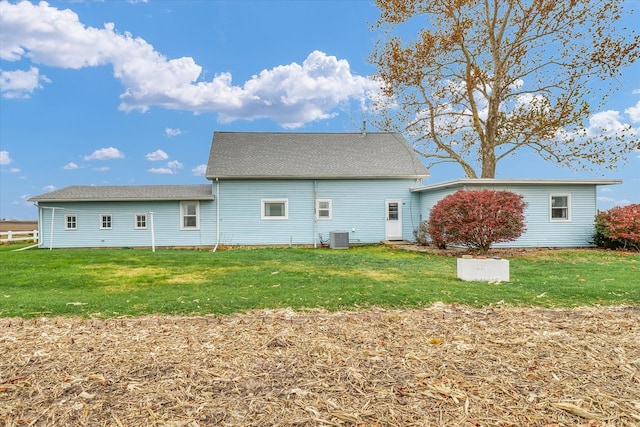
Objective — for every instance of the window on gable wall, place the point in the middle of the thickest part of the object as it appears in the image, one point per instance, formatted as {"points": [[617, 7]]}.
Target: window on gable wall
{"points": [[560, 207], [190, 213], [323, 209]]}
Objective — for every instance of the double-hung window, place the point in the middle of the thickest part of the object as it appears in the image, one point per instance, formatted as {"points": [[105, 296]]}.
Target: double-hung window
{"points": [[274, 209], [323, 209], [560, 207], [190, 215], [105, 222], [141, 222], [70, 222]]}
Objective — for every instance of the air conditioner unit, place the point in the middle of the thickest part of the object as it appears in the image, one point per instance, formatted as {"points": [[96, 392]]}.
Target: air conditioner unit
{"points": [[339, 240]]}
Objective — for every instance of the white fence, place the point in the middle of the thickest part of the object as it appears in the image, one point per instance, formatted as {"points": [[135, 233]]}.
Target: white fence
{"points": [[17, 236]]}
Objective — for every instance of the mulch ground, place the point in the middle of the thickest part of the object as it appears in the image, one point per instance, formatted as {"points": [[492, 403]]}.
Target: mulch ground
{"points": [[440, 366]]}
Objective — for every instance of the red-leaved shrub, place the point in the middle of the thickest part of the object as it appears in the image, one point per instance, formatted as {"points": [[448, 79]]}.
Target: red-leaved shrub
{"points": [[477, 219], [619, 227]]}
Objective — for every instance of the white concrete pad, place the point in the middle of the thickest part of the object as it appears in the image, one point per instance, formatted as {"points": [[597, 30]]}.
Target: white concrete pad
{"points": [[483, 270]]}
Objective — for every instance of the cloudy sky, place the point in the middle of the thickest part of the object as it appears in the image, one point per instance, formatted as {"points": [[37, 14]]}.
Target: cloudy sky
{"points": [[130, 92]]}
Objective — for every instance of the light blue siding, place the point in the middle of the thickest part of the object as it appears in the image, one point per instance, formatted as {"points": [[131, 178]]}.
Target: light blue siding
{"points": [[541, 230], [167, 220], [356, 205]]}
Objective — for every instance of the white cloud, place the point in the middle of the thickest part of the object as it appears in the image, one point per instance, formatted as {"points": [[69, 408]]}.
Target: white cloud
{"points": [[21, 84], [105, 154], [101, 169], [170, 132], [199, 170], [14, 170], [24, 200], [48, 188], [634, 112], [171, 168], [157, 155], [4, 158], [70, 166], [166, 171], [174, 164], [291, 94], [605, 123]]}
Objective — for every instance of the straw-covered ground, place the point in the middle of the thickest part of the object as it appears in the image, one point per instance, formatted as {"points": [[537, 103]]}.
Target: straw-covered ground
{"points": [[443, 366]]}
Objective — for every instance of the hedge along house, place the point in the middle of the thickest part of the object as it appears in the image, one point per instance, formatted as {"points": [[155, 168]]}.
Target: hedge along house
{"points": [[126, 216], [297, 188], [559, 213]]}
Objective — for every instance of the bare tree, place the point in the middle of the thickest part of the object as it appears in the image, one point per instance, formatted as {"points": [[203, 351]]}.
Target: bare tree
{"points": [[483, 79]]}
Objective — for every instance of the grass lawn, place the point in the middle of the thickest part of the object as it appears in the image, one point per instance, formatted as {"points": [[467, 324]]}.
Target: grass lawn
{"points": [[119, 282]]}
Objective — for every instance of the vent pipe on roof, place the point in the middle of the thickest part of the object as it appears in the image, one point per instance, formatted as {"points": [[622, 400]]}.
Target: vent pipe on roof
{"points": [[364, 128]]}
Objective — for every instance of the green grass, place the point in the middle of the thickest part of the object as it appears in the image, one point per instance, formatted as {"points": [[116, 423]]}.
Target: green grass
{"points": [[118, 282]]}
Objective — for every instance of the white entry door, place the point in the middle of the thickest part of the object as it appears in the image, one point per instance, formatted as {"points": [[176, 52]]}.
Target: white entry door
{"points": [[393, 223]]}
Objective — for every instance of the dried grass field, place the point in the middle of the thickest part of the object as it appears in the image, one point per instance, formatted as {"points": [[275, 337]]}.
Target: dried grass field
{"points": [[440, 366]]}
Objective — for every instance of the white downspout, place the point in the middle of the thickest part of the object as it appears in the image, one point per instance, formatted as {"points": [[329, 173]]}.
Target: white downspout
{"points": [[217, 215]]}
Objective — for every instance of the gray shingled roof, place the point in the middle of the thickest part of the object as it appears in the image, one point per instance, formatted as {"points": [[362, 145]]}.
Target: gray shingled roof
{"points": [[90, 193], [291, 155]]}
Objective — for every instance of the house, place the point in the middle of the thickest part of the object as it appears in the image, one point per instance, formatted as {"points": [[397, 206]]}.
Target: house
{"points": [[296, 188], [285, 188]]}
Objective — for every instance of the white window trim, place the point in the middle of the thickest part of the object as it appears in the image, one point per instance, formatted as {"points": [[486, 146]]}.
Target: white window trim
{"points": [[274, 218], [551, 218], [182, 210], [101, 224], [66, 222], [135, 221], [330, 209]]}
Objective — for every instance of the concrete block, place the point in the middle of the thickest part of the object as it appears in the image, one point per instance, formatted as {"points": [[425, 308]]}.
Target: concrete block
{"points": [[483, 270]]}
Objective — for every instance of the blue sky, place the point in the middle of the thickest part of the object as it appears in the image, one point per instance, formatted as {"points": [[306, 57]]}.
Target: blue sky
{"points": [[130, 92]]}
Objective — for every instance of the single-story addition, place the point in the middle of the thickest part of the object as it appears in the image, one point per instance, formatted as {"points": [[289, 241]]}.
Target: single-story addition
{"points": [[126, 216], [298, 189], [559, 213]]}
